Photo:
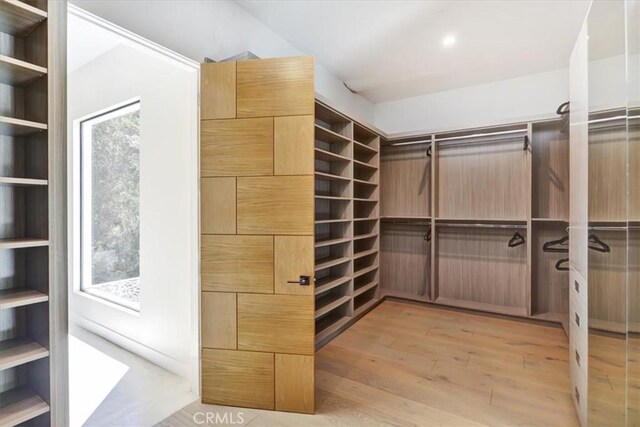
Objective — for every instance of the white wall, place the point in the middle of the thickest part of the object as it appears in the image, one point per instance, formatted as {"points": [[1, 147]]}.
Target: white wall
{"points": [[531, 97], [217, 29], [524, 98], [164, 330]]}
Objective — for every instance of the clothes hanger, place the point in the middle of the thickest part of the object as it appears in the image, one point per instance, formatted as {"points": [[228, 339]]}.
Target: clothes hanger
{"points": [[516, 240], [603, 247], [559, 265], [548, 246]]}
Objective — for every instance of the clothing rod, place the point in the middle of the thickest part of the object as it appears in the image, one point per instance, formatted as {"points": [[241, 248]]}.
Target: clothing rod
{"points": [[389, 221], [453, 224], [479, 135], [426, 141], [604, 228], [608, 119]]}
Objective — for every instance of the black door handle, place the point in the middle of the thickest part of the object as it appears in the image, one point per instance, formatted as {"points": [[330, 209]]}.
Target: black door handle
{"points": [[303, 281]]}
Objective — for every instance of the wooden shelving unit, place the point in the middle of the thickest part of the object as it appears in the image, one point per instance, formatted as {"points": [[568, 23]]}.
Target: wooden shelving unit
{"points": [[346, 159], [32, 128]]}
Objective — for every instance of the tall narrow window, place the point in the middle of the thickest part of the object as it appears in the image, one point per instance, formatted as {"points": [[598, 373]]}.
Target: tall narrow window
{"points": [[110, 207]]}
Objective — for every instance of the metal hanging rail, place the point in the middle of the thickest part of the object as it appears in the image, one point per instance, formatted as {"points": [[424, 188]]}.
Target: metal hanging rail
{"points": [[480, 225], [481, 135], [425, 141]]}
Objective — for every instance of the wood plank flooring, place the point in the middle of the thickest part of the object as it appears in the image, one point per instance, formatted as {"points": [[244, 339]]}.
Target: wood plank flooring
{"points": [[405, 364]]}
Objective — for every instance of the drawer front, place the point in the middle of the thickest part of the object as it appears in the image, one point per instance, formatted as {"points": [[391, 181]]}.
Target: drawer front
{"points": [[578, 343], [579, 391], [578, 290]]}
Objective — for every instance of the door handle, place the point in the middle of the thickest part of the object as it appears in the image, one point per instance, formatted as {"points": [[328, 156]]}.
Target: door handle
{"points": [[303, 281]]}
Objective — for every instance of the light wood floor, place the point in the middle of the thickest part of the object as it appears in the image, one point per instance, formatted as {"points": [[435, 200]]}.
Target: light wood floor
{"points": [[405, 364]]}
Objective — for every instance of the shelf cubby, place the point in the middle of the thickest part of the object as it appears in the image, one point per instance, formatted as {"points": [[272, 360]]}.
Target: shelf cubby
{"points": [[29, 117], [346, 202]]}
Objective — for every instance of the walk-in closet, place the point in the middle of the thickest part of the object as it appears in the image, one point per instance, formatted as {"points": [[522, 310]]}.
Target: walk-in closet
{"points": [[495, 258]]}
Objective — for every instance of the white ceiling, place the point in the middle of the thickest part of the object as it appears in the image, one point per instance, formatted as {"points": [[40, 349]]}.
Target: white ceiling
{"points": [[387, 50]]}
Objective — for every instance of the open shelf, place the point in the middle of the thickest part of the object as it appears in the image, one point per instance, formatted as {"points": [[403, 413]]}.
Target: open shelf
{"points": [[329, 136], [20, 405], [329, 302], [15, 72], [363, 182], [18, 351], [360, 147], [339, 198], [364, 288], [21, 243], [366, 253], [333, 241], [12, 298], [330, 282], [17, 127], [332, 221], [19, 18], [22, 182], [365, 306], [365, 236], [359, 164], [331, 177], [364, 271], [329, 156], [329, 325], [323, 263]]}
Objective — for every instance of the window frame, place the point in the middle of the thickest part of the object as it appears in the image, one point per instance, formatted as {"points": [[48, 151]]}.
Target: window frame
{"points": [[83, 128]]}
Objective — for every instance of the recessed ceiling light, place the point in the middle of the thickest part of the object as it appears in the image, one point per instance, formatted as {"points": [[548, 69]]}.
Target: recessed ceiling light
{"points": [[449, 40]]}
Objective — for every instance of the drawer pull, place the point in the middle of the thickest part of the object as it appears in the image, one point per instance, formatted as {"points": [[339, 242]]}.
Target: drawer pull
{"points": [[577, 358], [577, 394], [576, 285], [577, 319]]}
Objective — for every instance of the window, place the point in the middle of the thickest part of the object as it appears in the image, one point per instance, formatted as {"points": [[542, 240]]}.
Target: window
{"points": [[110, 205]]}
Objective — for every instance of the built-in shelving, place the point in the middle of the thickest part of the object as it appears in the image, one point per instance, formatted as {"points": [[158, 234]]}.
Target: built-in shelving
{"points": [[16, 352], [22, 243], [19, 18], [20, 405], [22, 182], [32, 116], [12, 298], [346, 155], [15, 72], [10, 126]]}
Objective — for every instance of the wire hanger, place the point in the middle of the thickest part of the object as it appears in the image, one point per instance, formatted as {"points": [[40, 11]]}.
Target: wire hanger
{"points": [[603, 247], [516, 240], [559, 265], [548, 246]]}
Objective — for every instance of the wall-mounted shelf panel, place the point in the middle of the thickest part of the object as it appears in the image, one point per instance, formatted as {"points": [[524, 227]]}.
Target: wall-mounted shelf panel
{"points": [[12, 298], [17, 127], [19, 18], [22, 243], [15, 72], [16, 352], [20, 405], [23, 182]]}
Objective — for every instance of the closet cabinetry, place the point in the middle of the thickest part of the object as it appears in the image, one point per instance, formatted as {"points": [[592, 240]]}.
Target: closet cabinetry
{"points": [[466, 216], [346, 221], [32, 207]]}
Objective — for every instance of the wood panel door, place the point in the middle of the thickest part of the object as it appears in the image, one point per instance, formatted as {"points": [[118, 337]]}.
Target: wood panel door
{"points": [[257, 228]]}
